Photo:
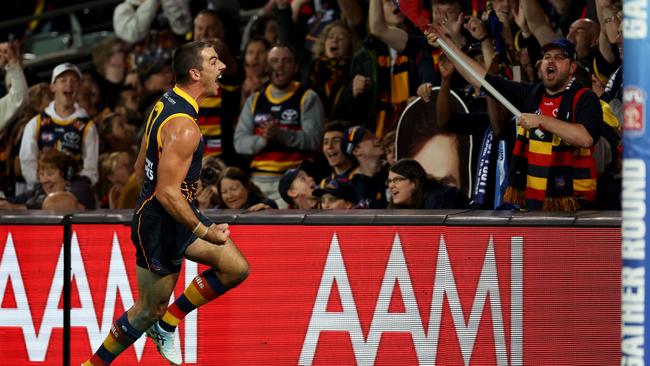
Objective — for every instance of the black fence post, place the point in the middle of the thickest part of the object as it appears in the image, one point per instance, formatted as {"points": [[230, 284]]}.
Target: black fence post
{"points": [[67, 269]]}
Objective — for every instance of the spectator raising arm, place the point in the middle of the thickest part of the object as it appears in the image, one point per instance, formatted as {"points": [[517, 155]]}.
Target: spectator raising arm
{"points": [[477, 29], [606, 13], [351, 11], [391, 35], [16, 98], [132, 19], [434, 33], [538, 22]]}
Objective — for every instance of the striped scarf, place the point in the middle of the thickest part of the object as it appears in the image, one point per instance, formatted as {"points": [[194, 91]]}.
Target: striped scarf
{"points": [[548, 174]]}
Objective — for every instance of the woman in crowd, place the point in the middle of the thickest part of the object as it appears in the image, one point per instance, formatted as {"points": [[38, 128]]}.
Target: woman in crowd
{"points": [[329, 72], [39, 96], [121, 190], [116, 134], [56, 173], [411, 187], [236, 191]]}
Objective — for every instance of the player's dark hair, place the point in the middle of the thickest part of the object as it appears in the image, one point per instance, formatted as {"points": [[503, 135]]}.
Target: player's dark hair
{"points": [[187, 57]]}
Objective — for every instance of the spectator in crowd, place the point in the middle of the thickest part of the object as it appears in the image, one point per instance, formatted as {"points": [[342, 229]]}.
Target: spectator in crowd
{"points": [[254, 62], [388, 144], [342, 164], [537, 21], [411, 187], [56, 172], [128, 105], [61, 201], [296, 188], [229, 12], [261, 25], [369, 178], [385, 73], [155, 75], [329, 72], [208, 25], [501, 29], [207, 195], [118, 175], [236, 191], [301, 22], [610, 16], [607, 151], [585, 35], [39, 97], [63, 126], [109, 59], [561, 177], [12, 103], [490, 127], [336, 194], [90, 99], [280, 125], [265, 26], [527, 49], [132, 19], [482, 51]]}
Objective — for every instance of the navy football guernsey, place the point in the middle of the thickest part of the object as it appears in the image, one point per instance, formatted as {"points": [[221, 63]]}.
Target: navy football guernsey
{"points": [[174, 103]]}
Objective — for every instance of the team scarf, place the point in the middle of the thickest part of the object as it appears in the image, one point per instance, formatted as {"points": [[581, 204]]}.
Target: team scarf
{"points": [[501, 176], [542, 164], [483, 166]]}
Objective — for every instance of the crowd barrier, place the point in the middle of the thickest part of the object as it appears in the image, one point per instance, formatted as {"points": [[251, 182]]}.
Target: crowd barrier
{"points": [[332, 288]]}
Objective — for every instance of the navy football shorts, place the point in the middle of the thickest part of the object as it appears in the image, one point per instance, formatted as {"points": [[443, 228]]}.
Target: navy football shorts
{"points": [[160, 241]]}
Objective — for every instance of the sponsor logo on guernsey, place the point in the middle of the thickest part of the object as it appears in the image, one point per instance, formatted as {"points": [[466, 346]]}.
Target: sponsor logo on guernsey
{"points": [[47, 137], [289, 115], [71, 138]]}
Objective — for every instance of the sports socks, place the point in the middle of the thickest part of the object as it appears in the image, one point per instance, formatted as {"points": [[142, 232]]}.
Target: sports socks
{"points": [[204, 288], [121, 336]]}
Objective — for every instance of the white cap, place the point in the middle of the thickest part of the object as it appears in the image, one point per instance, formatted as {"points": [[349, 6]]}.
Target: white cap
{"points": [[61, 68]]}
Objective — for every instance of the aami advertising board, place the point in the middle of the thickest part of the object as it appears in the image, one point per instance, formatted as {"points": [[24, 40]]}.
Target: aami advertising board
{"points": [[336, 296]]}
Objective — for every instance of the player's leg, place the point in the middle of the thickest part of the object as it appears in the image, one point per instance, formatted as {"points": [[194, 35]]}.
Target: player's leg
{"points": [[153, 296], [228, 268]]}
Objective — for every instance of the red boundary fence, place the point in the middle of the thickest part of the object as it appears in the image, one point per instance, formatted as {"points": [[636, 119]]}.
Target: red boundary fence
{"points": [[335, 295]]}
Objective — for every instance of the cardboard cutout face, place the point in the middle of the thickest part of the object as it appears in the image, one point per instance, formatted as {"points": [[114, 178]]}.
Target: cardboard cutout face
{"points": [[444, 155]]}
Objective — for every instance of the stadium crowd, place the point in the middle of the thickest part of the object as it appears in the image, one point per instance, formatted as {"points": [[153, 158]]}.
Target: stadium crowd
{"points": [[314, 107]]}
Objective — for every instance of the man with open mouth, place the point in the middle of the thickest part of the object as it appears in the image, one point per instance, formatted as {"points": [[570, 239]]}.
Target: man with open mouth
{"points": [[553, 170]]}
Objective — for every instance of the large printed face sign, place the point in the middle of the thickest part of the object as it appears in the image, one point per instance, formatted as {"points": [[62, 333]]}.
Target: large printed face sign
{"points": [[444, 155], [336, 296]]}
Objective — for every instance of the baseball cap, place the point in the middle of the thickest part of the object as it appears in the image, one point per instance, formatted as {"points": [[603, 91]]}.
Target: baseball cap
{"points": [[563, 44], [288, 178], [61, 68], [339, 188], [351, 138]]}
